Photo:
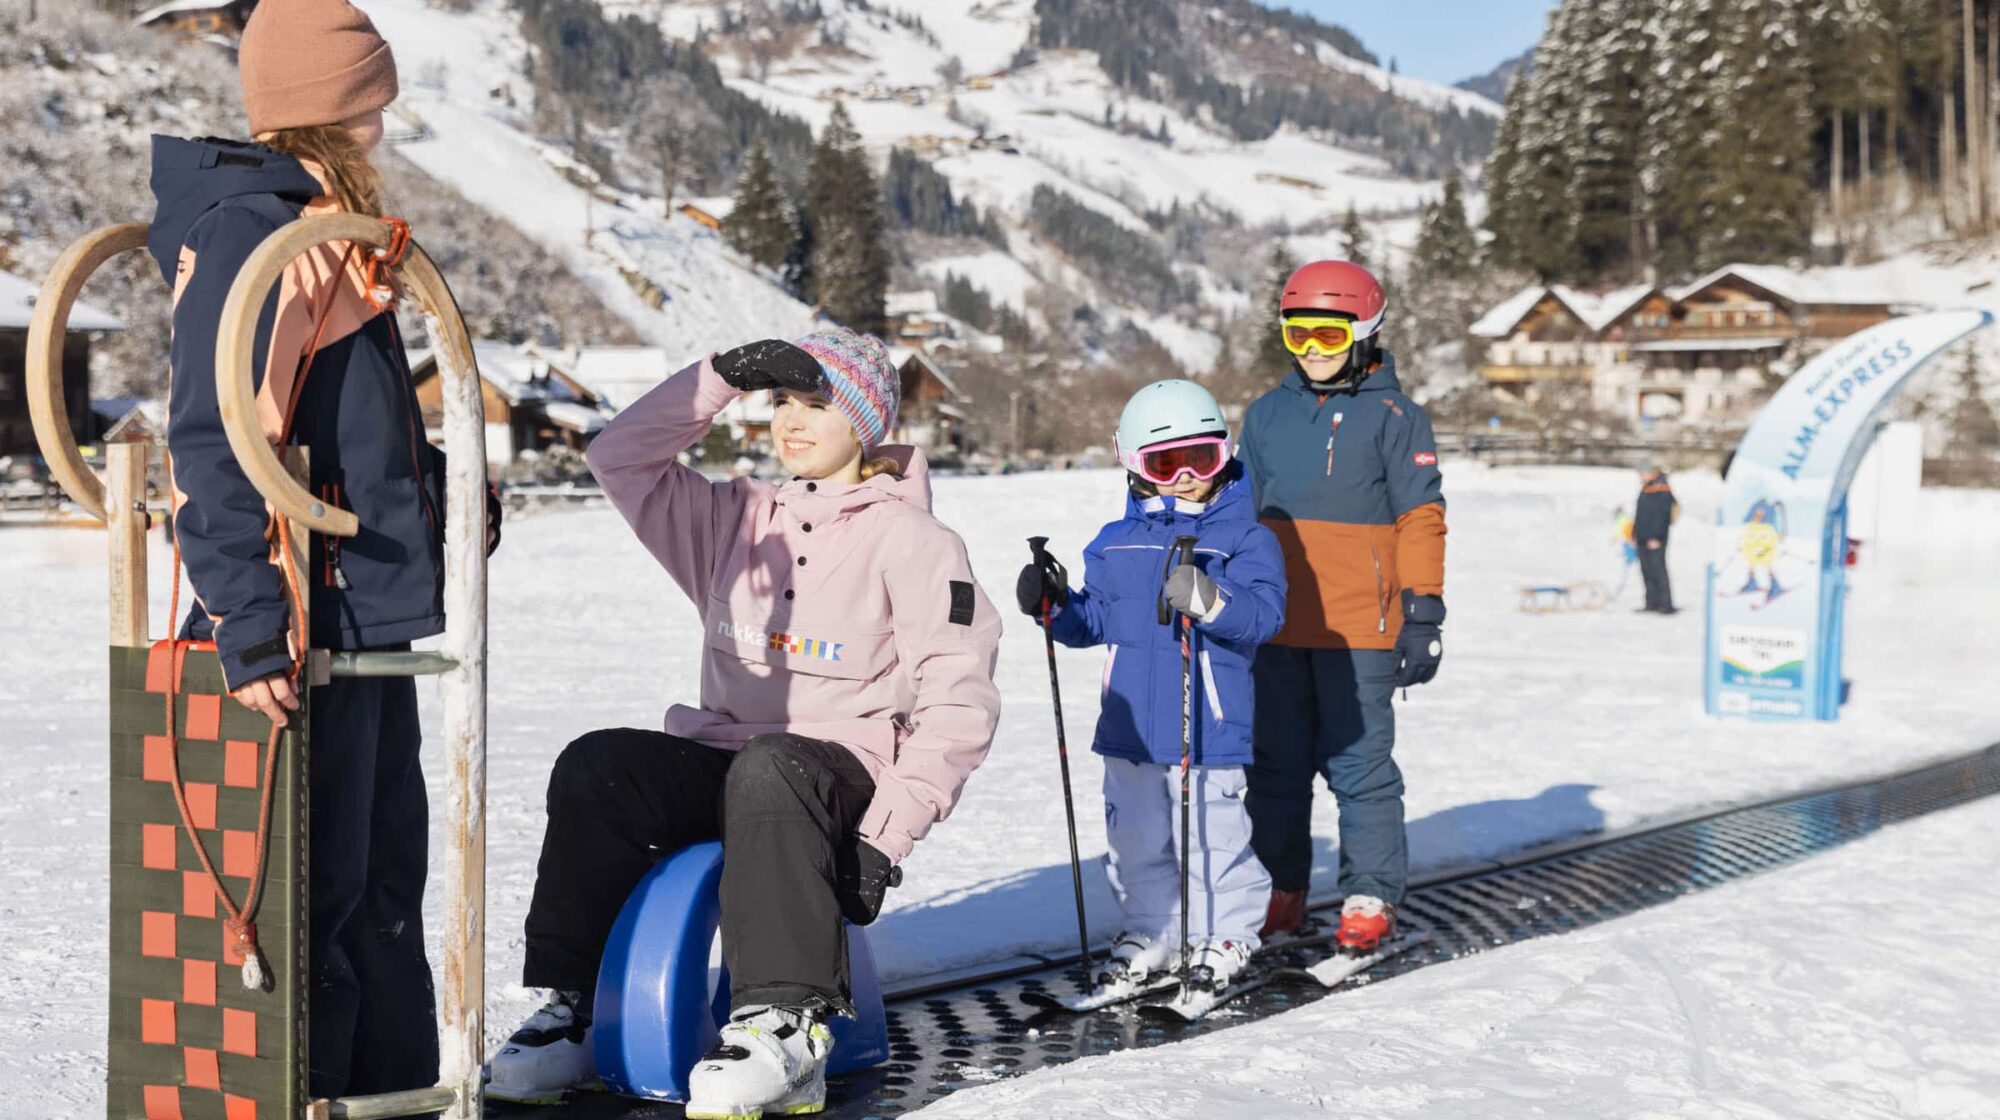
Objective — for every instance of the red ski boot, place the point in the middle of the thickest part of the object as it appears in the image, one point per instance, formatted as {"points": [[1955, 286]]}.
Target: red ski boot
{"points": [[1285, 916], [1365, 923]]}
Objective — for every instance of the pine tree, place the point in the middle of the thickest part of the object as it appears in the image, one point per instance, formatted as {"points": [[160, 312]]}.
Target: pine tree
{"points": [[1354, 243], [848, 261], [1974, 430], [1446, 246], [1268, 350], [760, 225]]}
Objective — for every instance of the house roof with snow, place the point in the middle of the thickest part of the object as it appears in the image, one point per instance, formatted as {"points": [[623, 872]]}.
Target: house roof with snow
{"points": [[17, 308], [901, 304], [618, 374], [1822, 287], [183, 7], [1594, 311], [1501, 321]]}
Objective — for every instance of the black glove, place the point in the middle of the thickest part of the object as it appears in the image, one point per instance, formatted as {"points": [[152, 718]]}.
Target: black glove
{"points": [[1192, 593], [1420, 646], [1042, 578], [862, 876], [770, 364], [493, 512]]}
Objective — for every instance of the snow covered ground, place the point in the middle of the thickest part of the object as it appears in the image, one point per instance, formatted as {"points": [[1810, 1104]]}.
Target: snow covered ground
{"points": [[1538, 727], [1857, 986]]}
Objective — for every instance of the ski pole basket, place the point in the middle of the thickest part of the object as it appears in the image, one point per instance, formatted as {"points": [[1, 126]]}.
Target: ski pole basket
{"points": [[203, 796]]}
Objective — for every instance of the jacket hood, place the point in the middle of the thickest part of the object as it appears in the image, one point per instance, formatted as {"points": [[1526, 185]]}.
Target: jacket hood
{"points": [[1380, 380], [192, 177], [826, 501], [1231, 503]]}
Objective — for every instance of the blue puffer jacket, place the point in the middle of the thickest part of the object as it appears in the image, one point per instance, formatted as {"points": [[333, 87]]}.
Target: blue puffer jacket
{"points": [[358, 413], [1124, 572]]}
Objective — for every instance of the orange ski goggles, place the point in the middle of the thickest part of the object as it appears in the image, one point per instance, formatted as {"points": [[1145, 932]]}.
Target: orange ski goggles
{"points": [[1325, 334]]}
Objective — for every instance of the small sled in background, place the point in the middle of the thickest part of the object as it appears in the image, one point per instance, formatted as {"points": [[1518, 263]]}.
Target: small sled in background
{"points": [[1565, 598]]}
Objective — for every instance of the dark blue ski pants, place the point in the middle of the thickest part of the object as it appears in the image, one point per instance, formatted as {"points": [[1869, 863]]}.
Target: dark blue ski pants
{"points": [[1327, 713], [372, 1006]]}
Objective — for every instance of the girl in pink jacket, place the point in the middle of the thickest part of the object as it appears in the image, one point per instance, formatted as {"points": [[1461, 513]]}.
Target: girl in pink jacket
{"points": [[846, 694]]}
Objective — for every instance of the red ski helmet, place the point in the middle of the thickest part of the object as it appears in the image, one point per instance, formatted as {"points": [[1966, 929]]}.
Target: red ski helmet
{"points": [[1340, 287]]}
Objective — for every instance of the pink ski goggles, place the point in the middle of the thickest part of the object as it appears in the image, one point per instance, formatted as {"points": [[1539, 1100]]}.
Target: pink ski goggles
{"points": [[1162, 464]]}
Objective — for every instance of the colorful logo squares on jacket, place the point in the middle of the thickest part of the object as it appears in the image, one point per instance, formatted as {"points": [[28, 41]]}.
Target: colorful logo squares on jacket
{"points": [[807, 647]]}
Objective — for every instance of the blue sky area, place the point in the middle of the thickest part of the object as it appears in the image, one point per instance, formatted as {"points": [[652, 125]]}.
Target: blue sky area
{"points": [[1443, 40]]}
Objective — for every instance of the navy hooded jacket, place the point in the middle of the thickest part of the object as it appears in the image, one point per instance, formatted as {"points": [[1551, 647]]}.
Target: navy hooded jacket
{"points": [[1125, 572], [357, 413]]}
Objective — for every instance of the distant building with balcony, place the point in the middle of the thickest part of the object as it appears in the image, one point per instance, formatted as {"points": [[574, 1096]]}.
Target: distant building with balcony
{"points": [[1704, 353]]}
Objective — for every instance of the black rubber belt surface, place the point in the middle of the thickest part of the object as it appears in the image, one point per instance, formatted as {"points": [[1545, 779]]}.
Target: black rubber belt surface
{"points": [[941, 1042]]}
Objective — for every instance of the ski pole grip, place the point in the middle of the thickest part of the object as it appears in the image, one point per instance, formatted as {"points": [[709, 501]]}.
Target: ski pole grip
{"points": [[1181, 552]]}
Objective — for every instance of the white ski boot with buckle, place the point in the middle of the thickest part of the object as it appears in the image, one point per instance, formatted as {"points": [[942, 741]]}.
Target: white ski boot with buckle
{"points": [[1214, 965], [547, 1056], [770, 1061], [1135, 962]]}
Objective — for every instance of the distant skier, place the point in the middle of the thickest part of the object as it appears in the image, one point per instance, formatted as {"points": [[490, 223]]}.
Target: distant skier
{"points": [[333, 376], [1652, 519], [1628, 549], [846, 694], [1346, 474], [1175, 446]]}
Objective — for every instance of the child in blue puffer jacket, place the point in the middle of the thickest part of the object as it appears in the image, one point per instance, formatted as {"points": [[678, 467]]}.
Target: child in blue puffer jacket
{"points": [[1175, 445]]}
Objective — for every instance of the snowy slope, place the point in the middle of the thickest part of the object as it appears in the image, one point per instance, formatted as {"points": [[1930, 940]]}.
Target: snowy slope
{"points": [[479, 144], [1048, 124], [1537, 727], [1858, 986]]}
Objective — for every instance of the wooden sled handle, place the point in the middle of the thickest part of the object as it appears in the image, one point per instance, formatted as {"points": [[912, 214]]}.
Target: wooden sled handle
{"points": [[47, 332], [236, 342]]}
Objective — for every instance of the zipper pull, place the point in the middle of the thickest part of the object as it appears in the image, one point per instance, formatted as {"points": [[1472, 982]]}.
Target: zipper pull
{"points": [[339, 576]]}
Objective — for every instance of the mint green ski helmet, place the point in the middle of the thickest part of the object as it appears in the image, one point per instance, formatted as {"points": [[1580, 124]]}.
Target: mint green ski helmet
{"points": [[1167, 412]]}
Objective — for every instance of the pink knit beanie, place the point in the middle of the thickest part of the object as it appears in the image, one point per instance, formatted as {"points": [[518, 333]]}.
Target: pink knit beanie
{"points": [[861, 381], [312, 62]]}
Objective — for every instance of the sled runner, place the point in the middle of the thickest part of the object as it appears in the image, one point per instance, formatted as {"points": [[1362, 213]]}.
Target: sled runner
{"points": [[1562, 598]]}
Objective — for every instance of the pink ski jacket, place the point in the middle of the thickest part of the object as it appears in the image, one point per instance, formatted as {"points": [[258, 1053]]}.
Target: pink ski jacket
{"points": [[842, 613]]}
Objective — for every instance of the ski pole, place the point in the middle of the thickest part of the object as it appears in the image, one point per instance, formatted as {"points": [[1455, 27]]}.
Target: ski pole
{"points": [[1039, 546], [1183, 553]]}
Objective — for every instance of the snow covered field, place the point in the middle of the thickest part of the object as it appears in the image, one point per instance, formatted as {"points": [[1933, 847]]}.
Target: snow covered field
{"points": [[1538, 727]]}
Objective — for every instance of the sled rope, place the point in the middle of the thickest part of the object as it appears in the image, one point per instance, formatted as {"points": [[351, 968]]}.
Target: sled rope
{"points": [[241, 920]]}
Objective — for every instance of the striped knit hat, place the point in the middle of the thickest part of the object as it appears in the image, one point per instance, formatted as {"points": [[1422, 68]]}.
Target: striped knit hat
{"points": [[861, 381]]}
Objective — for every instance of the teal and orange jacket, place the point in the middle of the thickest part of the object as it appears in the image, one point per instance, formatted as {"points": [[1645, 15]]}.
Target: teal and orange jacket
{"points": [[1349, 483]]}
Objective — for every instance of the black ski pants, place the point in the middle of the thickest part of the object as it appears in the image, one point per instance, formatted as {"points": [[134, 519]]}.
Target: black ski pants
{"points": [[1653, 568], [785, 808], [372, 1007]]}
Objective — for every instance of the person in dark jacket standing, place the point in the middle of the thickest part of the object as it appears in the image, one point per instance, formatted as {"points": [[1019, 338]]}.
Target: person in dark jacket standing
{"points": [[1652, 520], [332, 376], [1346, 474]]}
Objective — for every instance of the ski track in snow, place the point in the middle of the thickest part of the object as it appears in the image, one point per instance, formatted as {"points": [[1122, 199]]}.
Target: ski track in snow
{"points": [[1538, 727]]}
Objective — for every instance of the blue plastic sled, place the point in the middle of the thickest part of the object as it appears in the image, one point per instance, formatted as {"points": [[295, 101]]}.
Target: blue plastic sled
{"points": [[656, 1011]]}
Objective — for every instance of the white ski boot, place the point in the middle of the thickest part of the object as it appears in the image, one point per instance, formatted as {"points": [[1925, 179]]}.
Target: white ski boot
{"points": [[1135, 961], [1214, 965], [770, 1061], [547, 1056]]}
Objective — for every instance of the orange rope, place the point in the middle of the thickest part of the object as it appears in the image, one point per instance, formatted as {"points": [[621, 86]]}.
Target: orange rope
{"points": [[241, 920]]}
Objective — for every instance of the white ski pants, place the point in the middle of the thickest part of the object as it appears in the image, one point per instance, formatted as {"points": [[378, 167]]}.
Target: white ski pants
{"points": [[1228, 889]]}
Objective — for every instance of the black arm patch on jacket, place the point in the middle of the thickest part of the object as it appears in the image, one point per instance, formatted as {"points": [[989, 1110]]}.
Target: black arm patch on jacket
{"points": [[268, 648], [962, 603]]}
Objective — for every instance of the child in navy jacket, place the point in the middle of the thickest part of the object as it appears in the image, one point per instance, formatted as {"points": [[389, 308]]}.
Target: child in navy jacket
{"points": [[1175, 444]]}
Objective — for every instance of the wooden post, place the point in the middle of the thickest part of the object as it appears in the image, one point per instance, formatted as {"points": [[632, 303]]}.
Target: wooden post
{"points": [[126, 521]]}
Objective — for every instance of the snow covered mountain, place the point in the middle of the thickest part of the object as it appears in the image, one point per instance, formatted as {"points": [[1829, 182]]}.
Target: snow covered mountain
{"points": [[963, 85], [670, 277]]}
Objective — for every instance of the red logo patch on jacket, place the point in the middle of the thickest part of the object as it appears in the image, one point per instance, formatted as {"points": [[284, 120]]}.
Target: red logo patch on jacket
{"points": [[1425, 458]]}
